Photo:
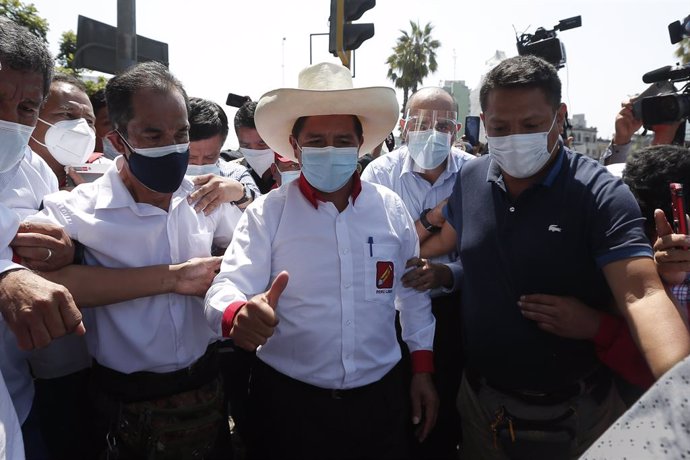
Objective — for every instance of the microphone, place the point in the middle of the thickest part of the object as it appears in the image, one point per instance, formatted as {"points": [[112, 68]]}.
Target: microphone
{"points": [[668, 72]]}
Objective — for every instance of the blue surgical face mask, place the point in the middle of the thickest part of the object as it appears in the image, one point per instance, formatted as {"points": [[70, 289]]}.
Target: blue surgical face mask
{"points": [[198, 170], [428, 148], [14, 138], [328, 168], [109, 150], [160, 169], [288, 176]]}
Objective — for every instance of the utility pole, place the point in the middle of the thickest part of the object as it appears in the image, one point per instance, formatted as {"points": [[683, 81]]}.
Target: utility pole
{"points": [[283, 65], [126, 43]]}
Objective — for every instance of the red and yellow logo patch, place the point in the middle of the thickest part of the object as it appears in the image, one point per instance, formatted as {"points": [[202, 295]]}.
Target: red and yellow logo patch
{"points": [[385, 275]]}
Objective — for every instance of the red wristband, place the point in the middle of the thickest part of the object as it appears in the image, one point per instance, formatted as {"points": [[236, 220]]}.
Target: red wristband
{"points": [[229, 316], [422, 361]]}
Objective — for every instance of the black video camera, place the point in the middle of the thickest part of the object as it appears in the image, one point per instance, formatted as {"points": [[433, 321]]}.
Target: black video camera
{"points": [[673, 105], [544, 44]]}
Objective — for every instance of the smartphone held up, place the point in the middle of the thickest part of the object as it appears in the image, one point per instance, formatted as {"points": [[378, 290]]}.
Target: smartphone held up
{"points": [[680, 222]]}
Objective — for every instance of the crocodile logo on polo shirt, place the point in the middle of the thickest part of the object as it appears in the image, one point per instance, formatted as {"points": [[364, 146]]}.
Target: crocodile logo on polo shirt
{"points": [[554, 228], [385, 274]]}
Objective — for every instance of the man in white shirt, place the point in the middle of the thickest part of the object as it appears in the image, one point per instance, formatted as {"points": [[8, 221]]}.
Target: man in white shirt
{"points": [[154, 351], [327, 383], [423, 172]]}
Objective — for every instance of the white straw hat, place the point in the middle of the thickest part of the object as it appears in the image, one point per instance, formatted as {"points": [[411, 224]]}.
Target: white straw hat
{"points": [[325, 89]]}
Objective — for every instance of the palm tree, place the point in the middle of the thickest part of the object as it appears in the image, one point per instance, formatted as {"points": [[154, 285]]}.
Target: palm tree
{"points": [[413, 59]]}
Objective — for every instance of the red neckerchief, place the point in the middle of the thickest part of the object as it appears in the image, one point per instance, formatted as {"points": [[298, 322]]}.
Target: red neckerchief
{"points": [[314, 196]]}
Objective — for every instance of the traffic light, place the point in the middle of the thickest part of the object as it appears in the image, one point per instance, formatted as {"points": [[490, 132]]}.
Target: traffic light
{"points": [[345, 36]]}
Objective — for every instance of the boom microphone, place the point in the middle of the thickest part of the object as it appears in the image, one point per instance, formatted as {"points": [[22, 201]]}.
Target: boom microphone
{"points": [[673, 73]]}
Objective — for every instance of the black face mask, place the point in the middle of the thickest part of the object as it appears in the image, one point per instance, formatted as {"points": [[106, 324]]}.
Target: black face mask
{"points": [[161, 172]]}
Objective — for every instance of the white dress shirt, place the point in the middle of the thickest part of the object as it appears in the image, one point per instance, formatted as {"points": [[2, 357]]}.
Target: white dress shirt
{"points": [[396, 170], [22, 189], [160, 333], [9, 223], [337, 313]]}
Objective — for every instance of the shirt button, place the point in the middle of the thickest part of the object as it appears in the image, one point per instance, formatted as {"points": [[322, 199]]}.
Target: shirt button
{"points": [[346, 251], [512, 209], [347, 286], [348, 322]]}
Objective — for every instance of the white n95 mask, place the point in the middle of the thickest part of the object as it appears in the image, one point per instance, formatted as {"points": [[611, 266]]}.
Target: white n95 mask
{"points": [[70, 142], [259, 160]]}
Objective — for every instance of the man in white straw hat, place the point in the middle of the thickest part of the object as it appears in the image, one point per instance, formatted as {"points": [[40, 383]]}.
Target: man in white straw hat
{"points": [[327, 383]]}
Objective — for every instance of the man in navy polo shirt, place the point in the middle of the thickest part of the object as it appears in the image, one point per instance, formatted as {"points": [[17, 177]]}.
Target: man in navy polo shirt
{"points": [[535, 217]]}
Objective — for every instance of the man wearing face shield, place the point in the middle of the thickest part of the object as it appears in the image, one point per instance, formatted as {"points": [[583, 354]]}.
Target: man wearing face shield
{"points": [[423, 172], [534, 217], [153, 351], [327, 382], [65, 134]]}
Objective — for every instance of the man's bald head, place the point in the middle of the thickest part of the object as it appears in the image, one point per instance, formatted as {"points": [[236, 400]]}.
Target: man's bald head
{"points": [[431, 98]]}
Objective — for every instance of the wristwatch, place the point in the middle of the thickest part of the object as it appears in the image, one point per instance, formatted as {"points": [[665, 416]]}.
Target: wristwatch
{"points": [[425, 222], [248, 195]]}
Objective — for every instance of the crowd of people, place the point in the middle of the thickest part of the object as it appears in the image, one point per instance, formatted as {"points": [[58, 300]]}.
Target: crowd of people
{"points": [[327, 298]]}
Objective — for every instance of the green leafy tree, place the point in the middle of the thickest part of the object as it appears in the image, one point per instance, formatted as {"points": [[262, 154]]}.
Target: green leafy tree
{"points": [[683, 51], [68, 47], [413, 59], [65, 61], [93, 86], [26, 15]]}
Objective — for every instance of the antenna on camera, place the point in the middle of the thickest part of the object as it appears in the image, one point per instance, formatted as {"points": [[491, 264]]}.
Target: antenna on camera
{"points": [[544, 44]]}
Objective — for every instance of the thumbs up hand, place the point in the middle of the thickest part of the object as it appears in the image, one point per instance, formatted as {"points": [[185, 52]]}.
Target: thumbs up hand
{"points": [[254, 323]]}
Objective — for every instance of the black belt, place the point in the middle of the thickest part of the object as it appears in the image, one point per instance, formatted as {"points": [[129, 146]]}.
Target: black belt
{"points": [[597, 384], [145, 386], [264, 370]]}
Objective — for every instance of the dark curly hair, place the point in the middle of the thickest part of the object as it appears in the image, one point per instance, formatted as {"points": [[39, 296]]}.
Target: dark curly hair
{"points": [[648, 172]]}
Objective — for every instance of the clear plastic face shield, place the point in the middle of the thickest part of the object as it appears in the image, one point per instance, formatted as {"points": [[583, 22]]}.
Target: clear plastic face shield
{"points": [[429, 135], [423, 119]]}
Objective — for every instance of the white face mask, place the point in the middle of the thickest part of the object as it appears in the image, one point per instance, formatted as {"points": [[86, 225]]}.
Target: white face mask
{"points": [[198, 170], [521, 155], [70, 142], [14, 137], [428, 148], [259, 160]]}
